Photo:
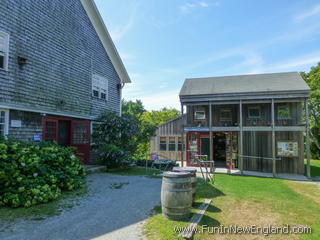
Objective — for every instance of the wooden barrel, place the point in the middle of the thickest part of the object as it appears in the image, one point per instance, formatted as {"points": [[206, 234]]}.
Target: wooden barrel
{"points": [[193, 172], [176, 195]]}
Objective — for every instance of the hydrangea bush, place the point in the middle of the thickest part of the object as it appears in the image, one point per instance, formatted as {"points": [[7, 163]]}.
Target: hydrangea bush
{"points": [[115, 139], [36, 173]]}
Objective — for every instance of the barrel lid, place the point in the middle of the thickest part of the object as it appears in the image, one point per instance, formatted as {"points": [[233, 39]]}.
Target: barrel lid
{"points": [[184, 169], [171, 174]]}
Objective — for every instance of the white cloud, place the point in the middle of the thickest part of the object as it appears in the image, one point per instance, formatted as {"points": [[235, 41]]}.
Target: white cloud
{"points": [[118, 32], [301, 63], [315, 10], [187, 7]]}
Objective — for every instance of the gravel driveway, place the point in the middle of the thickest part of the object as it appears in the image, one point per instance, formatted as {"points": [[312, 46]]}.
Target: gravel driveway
{"points": [[105, 213]]}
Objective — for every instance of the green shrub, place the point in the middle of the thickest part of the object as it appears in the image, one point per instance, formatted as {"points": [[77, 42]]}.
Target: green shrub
{"points": [[32, 174], [114, 139]]}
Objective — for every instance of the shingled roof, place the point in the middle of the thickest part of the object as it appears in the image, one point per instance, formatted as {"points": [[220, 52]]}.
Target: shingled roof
{"points": [[254, 84]]}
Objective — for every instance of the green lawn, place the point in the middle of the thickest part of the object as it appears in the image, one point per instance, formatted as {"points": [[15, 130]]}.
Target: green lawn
{"points": [[315, 168], [244, 201]]}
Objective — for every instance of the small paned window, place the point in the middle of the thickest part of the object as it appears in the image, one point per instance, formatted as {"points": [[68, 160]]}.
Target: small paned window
{"points": [[179, 144], [283, 112], [99, 87], [199, 115], [163, 144], [172, 144], [254, 112]]}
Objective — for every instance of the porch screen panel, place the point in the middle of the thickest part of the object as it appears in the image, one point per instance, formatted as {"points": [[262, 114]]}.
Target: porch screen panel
{"points": [[79, 135], [257, 145], [51, 130]]}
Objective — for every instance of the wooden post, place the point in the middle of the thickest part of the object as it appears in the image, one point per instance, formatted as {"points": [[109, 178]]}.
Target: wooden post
{"points": [[241, 138], [307, 138], [210, 132], [273, 139], [182, 138]]}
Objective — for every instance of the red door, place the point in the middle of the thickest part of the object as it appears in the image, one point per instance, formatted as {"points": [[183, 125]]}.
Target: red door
{"points": [[55, 129], [80, 134]]}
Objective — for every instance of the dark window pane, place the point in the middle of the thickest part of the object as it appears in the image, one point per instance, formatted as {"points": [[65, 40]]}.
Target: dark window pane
{"points": [[163, 144], [103, 96], [95, 93], [1, 61]]}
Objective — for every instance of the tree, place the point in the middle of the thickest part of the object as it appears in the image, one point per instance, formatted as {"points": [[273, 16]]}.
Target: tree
{"points": [[161, 116], [147, 124], [313, 80]]}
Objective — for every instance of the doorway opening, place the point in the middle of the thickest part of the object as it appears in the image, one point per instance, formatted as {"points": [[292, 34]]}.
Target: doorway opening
{"points": [[219, 149]]}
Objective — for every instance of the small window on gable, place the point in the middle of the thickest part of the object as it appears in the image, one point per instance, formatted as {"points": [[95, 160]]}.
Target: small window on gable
{"points": [[199, 115], [99, 87], [4, 50], [283, 112], [225, 115], [254, 112]]}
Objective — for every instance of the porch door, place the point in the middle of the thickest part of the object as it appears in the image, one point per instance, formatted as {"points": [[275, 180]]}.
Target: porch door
{"points": [[80, 130], [50, 129], [205, 146]]}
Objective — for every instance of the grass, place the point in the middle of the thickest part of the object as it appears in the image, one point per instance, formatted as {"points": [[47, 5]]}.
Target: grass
{"points": [[244, 201], [40, 211], [136, 171], [315, 168]]}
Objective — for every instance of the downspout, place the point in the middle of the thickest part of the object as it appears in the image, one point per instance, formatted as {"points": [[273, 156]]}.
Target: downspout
{"points": [[120, 86]]}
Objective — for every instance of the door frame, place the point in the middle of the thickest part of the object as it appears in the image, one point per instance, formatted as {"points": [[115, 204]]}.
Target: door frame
{"points": [[86, 147]]}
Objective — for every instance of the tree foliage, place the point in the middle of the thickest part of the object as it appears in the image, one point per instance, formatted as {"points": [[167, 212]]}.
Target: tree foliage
{"points": [[147, 122], [313, 80], [115, 139]]}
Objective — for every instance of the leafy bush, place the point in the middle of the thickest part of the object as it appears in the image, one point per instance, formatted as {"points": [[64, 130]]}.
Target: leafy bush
{"points": [[32, 174], [114, 139]]}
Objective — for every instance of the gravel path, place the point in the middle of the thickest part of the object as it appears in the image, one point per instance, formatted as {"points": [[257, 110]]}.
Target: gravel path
{"points": [[105, 213]]}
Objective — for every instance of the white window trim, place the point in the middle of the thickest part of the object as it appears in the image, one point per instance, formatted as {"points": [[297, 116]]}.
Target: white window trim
{"points": [[101, 84], [6, 54], [253, 117], [204, 115], [6, 122]]}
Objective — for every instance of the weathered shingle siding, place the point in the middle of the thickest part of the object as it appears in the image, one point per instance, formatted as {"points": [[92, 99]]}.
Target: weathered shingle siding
{"points": [[62, 51], [30, 125]]}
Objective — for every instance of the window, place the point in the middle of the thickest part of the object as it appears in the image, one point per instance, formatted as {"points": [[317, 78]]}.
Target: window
{"points": [[225, 115], [4, 50], [254, 112], [99, 87], [4, 122], [172, 144], [180, 144], [163, 144], [283, 112], [199, 115]]}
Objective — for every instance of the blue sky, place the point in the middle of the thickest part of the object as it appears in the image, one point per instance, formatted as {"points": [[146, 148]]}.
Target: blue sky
{"points": [[162, 42]]}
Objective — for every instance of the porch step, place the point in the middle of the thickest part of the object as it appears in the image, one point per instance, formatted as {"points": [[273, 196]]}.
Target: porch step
{"points": [[94, 168]]}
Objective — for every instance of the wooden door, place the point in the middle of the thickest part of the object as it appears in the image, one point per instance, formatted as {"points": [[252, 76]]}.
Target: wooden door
{"points": [[80, 138]]}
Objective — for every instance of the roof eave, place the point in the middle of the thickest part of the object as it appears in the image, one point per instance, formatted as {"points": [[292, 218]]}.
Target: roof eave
{"points": [[105, 38], [246, 96]]}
